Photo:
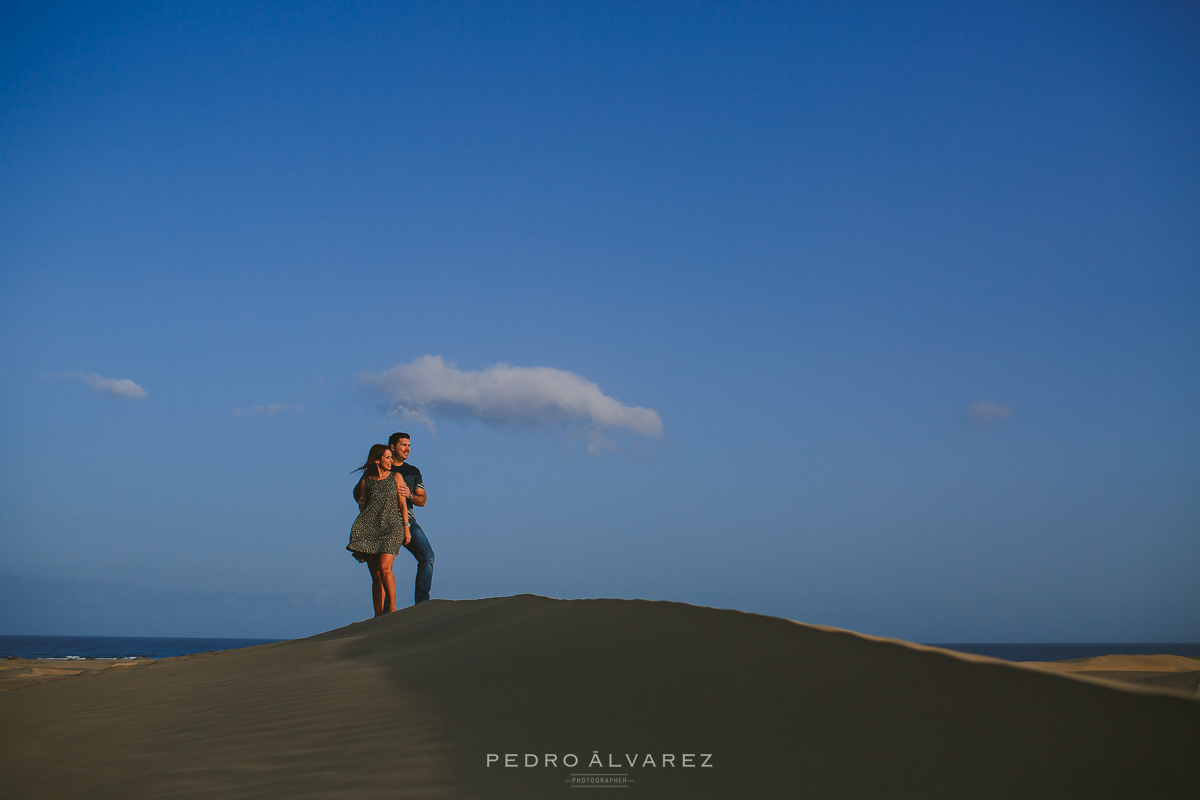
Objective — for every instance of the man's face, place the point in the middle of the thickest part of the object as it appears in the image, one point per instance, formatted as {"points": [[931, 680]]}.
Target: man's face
{"points": [[401, 449]]}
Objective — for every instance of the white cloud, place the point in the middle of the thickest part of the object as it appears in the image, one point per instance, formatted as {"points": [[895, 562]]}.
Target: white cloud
{"points": [[986, 414], [504, 395], [114, 387]]}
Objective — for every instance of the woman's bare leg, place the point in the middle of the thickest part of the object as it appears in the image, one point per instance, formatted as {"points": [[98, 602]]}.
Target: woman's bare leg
{"points": [[388, 580], [377, 583]]}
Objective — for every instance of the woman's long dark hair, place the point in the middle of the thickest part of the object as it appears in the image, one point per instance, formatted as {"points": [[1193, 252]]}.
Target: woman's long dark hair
{"points": [[377, 451]]}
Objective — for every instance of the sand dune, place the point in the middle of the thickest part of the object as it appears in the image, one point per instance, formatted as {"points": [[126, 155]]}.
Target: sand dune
{"points": [[416, 704]]}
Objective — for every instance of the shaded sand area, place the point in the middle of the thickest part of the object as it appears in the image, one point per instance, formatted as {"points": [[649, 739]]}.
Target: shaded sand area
{"points": [[411, 705]]}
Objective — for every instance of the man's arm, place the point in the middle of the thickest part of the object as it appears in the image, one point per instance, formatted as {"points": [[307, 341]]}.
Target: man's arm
{"points": [[417, 496]]}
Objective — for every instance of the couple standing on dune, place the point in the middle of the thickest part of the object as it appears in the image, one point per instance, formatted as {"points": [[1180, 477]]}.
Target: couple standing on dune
{"points": [[386, 494]]}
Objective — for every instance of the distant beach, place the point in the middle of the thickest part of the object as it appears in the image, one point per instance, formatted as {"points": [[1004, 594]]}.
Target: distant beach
{"points": [[1042, 651], [116, 647]]}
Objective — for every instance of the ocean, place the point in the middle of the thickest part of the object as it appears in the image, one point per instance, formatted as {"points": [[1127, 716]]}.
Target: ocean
{"points": [[115, 646], [167, 647]]}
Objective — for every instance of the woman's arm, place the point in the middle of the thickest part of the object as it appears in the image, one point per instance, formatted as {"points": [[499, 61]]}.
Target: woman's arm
{"points": [[401, 491]]}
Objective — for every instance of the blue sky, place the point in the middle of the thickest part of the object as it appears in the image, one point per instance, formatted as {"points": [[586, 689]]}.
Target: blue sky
{"points": [[912, 289]]}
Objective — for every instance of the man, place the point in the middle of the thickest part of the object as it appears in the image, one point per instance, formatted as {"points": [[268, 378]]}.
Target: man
{"points": [[414, 493]]}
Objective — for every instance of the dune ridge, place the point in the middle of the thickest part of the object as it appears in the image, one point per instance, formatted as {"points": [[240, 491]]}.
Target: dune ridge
{"points": [[415, 703]]}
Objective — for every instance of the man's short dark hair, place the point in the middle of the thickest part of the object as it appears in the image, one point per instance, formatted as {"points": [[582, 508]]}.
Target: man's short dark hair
{"points": [[397, 436]]}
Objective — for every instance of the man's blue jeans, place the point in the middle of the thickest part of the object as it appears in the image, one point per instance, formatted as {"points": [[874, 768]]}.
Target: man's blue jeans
{"points": [[418, 545]]}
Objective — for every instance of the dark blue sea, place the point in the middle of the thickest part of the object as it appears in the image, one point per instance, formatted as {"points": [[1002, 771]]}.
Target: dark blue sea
{"points": [[115, 646], [1062, 652]]}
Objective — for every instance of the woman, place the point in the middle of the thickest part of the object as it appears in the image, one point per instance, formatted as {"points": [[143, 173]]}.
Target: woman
{"points": [[382, 525]]}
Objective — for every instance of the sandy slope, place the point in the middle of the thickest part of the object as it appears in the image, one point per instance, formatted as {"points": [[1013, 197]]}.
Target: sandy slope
{"points": [[411, 705]]}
